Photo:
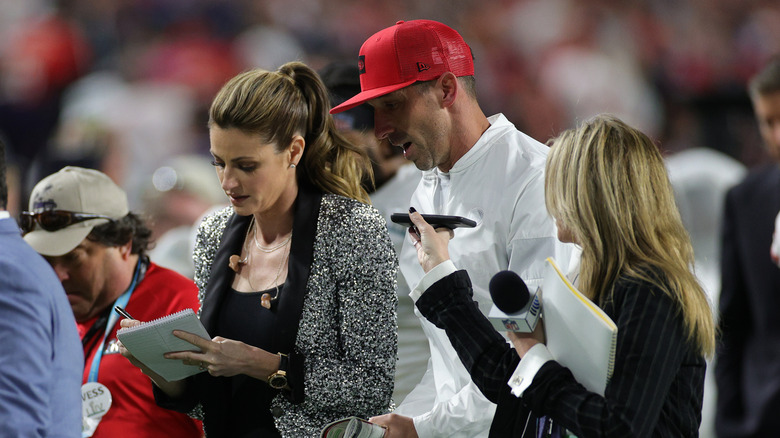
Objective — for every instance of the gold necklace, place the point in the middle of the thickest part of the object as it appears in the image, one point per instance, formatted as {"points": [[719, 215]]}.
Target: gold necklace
{"points": [[266, 299], [236, 263], [266, 249]]}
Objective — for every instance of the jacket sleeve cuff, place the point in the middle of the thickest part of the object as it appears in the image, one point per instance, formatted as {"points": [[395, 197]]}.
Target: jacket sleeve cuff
{"points": [[423, 426], [440, 271], [295, 378], [529, 365]]}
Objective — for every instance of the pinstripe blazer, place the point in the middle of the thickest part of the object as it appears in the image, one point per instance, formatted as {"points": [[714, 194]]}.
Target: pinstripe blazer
{"points": [[656, 388]]}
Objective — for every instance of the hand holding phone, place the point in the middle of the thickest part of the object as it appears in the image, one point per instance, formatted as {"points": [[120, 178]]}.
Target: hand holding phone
{"points": [[435, 220]]}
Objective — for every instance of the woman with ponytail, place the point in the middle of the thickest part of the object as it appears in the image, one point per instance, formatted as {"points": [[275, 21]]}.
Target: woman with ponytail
{"points": [[296, 277]]}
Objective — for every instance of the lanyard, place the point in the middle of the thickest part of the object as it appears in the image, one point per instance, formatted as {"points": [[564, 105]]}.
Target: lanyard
{"points": [[140, 270]]}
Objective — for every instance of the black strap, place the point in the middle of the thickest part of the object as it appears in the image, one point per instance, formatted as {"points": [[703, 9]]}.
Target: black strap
{"points": [[92, 335]]}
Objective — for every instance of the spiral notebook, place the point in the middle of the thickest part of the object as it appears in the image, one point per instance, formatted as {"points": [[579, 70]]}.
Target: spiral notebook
{"points": [[150, 340], [580, 336]]}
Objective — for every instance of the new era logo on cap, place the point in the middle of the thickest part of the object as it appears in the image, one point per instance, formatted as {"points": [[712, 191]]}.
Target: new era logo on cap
{"points": [[409, 51], [361, 64]]}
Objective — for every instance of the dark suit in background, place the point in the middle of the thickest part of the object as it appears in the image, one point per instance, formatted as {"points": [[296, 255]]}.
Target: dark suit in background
{"points": [[747, 368]]}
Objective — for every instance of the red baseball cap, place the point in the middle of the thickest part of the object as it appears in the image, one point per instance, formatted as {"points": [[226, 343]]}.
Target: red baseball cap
{"points": [[409, 51]]}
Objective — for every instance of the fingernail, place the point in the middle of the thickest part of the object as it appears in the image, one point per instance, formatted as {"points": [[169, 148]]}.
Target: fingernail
{"points": [[412, 210]]}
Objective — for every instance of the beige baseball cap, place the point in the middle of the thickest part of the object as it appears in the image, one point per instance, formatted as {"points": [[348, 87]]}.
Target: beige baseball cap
{"points": [[77, 190]]}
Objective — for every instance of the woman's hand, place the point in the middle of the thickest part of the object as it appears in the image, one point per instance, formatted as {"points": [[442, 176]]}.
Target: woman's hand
{"points": [[431, 244], [173, 389], [524, 341], [126, 323], [226, 357]]}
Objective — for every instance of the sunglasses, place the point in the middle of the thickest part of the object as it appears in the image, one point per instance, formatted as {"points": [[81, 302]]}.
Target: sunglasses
{"points": [[53, 220]]}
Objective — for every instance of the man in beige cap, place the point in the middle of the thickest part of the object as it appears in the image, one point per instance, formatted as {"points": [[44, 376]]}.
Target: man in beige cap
{"points": [[78, 219]]}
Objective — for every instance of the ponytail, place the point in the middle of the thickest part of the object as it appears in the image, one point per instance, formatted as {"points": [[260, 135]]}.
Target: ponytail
{"points": [[330, 161], [294, 101]]}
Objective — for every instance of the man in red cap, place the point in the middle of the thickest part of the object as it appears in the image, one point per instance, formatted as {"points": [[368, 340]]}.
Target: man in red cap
{"points": [[419, 78]]}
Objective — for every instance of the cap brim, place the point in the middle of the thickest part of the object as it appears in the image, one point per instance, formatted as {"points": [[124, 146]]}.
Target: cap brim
{"points": [[367, 95], [56, 243]]}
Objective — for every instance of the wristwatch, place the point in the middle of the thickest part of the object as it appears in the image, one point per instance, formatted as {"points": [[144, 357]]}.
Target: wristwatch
{"points": [[278, 380]]}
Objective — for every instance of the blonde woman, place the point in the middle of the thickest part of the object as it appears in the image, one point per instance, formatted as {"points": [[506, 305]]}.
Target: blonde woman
{"points": [[607, 188], [296, 277]]}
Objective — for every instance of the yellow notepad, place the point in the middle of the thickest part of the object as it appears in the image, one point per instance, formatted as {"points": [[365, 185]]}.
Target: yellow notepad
{"points": [[150, 340], [580, 336]]}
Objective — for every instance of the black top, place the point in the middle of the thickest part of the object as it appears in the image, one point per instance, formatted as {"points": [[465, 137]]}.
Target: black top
{"points": [[243, 318], [210, 392], [339, 366]]}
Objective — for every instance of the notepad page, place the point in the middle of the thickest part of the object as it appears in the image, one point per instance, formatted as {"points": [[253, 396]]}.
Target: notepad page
{"points": [[150, 340], [579, 334]]}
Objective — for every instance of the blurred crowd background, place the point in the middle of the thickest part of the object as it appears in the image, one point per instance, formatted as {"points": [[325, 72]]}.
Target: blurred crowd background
{"points": [[124, 85]]}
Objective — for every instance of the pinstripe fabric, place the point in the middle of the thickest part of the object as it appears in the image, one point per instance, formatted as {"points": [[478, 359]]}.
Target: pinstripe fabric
{"points": [[656, 389]]}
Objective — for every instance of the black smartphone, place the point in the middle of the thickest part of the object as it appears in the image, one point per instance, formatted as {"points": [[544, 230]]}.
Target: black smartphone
{"points": [[436, 220]]}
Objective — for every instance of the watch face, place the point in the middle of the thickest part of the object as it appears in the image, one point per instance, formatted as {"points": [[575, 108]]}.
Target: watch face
{"points": [[277, 381]]}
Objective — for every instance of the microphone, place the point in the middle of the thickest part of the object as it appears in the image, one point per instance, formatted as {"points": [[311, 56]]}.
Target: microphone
{"points": [[514, 308]]}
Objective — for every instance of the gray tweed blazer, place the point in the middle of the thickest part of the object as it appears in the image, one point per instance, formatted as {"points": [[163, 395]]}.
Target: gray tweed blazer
{"points": [[337, 313]]}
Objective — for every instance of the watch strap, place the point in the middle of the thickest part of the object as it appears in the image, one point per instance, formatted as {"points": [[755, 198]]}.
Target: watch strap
{"points": [[284, 362], [278, 379]]}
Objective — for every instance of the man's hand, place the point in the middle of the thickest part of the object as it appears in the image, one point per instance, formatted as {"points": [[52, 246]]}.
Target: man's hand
{"points": [[397, 426]]}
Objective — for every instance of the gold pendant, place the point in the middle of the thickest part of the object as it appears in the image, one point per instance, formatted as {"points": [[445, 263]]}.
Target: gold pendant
{"points": [[265, 300]]}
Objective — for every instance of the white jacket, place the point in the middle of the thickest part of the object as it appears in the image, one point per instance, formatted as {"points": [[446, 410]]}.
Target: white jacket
{"points": [[500, 184]]}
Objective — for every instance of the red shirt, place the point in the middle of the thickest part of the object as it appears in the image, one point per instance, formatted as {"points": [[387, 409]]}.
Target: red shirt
{"points": [[133, 411]]}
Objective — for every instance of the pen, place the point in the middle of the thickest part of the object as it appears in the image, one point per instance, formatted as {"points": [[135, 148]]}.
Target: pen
{"points": [[122, 312]]}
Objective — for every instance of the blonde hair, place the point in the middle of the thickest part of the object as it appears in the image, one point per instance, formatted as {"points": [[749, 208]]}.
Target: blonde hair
{"points": [[293, 101], [606, 182]]}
